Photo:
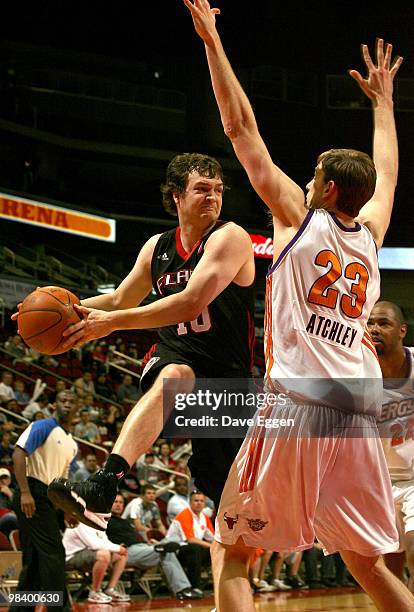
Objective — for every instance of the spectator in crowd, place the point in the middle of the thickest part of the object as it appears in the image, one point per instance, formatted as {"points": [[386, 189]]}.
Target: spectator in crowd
{"points": [[257, 572], [180, 500], [6, 387], [84, 385], [110, 416], [42, 404], [98, 354], [127, 392], [146, 472], [320, 568], [8, 518], [145, 513], [88, 403], [181, 464], [13, 406], [88, 548], [16, 347], [20, 394], [87, 430], [194, 527], [103, 386], [77, 463], [144, 556], [59, 386], [164, 456], [292, 579], [91, 467], [43, 451], [6, 449]]}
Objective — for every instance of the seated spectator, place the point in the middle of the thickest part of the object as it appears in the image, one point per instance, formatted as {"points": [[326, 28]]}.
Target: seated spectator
{"points": [[147, 474], [6, 387], [88, 403], [182, 465], [8, 519], [145, 513], [20, 394], [13, 406], [194, 527], [103, 386], [91, 467], [257, 572], [59, 386], [88, 548], [292, 579], [41, 404], [38, 416], [98, 355], [144, 556], [76, 464], [84, 385], [86, 429], [164, 456], [6, 449], [127, 392], [16, 347], [180, 500], [109, 417]]}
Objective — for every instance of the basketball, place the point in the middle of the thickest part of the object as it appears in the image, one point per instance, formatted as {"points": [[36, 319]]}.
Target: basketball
{"points": [[43, 317]]}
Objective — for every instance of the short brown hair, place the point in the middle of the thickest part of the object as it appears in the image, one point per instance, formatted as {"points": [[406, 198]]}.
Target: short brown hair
{"points": [[354, 175], [177, 175]]}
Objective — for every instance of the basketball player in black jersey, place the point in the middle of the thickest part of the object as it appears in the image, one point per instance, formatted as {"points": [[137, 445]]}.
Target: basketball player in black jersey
{"points": [[203, 272]]}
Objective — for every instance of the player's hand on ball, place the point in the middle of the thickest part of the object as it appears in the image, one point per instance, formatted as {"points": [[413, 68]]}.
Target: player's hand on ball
{"points": [[95, 324], [16, 314]]}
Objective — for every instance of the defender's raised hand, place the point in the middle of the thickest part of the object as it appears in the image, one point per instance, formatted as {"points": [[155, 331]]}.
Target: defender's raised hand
{"points": [[379, 83], [204, 18]]}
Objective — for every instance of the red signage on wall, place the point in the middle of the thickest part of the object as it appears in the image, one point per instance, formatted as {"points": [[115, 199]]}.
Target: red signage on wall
{"points": [[262, 246]]}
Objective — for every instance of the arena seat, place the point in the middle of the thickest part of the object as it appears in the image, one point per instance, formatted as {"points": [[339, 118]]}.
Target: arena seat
{"points": [[14, 537], [5, 542]]}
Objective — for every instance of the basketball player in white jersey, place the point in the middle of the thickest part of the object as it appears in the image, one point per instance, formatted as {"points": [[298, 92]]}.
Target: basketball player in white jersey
{"points": [[283, 490], [396, 424]]}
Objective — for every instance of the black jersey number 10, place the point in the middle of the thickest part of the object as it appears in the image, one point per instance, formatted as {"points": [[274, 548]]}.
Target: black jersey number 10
{"points": [[201, 324]]}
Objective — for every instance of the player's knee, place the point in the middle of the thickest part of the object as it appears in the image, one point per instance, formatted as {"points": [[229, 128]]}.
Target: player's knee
{"points": [[104, 556], [178, 371], [364, 569]]}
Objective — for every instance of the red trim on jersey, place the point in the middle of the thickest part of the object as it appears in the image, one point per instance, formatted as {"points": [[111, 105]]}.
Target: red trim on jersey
{"points": [[368, 345], [179, 245], [254, 454], [368, 338]]}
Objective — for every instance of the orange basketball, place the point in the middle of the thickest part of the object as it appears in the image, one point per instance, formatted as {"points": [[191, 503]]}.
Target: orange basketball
{"points": [[44, 315]]}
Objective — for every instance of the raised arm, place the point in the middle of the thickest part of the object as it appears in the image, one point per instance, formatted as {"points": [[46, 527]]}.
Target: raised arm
{"points": [[378, 86], [284, 198]]}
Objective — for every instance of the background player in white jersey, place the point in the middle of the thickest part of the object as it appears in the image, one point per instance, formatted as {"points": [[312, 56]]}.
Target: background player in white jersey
{"points": [[282, 491], [396, 424]]}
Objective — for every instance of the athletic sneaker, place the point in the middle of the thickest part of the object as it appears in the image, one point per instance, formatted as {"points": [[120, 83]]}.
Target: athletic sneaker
{"points": [[116, 594], [99, 597], [261, 586], [296, 582], [90, 501], [280, 585]]}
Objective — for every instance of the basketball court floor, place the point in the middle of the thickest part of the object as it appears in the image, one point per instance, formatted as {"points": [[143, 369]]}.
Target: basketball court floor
{"points": [[324, 600]]}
